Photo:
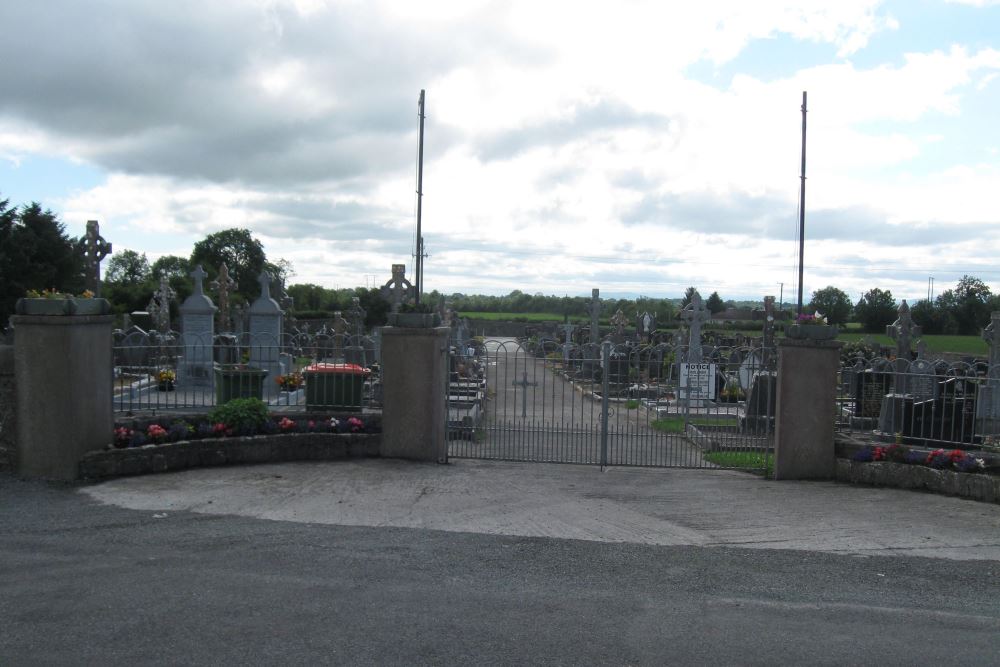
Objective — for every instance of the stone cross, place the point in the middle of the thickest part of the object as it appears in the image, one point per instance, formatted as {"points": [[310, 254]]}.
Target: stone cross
{"points": [[524, 384], [398, 289], [95, 249], [159, 305], [991, 334], [903, 331], [199, 276], [356, 316], [619, 321], [222, 285], [595, 314], [695, 314], [265, 284]]}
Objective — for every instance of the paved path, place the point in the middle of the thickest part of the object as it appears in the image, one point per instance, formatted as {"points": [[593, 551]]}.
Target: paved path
{"points": [[636, 505]]}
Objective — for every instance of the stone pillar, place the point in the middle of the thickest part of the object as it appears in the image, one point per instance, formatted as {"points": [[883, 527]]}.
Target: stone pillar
{"points": [[414, 386], [803, 436], [8, 403], [63, 370]]}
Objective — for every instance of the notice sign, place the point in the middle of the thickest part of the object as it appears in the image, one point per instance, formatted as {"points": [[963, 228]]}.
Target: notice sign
{"points": [[698, 380]]}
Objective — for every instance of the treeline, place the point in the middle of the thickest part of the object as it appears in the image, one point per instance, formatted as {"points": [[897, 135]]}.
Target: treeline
{"points": [[963, 310]]}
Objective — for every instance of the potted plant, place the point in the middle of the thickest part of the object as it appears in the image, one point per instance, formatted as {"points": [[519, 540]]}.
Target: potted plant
{"points": [[165, 379], [811, 327], [290, 381], [415, 316]]}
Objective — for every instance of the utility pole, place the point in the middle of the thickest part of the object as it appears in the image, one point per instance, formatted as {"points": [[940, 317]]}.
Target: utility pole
{"points": [[781, 299], [802, 201], [420, 196]]}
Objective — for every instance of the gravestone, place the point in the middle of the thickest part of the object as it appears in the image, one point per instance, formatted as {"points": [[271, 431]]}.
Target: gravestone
{"points": [[988, 406], [645, 325], [354, 353], [222, 285], [870, 387], [695, 314], [398, 289], [761, 404], [595, 314], [770, 355], [95, 249], [618, 323], [265, 335], [197, 335], [159, 306], [567, 342]]}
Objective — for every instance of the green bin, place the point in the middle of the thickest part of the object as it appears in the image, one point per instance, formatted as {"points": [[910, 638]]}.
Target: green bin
{"points": [[238, 382], [334, 386]]}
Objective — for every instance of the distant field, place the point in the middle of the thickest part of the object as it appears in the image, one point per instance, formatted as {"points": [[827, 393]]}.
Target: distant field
{"points": [[956, 344], [973, 345], [521, 317]]}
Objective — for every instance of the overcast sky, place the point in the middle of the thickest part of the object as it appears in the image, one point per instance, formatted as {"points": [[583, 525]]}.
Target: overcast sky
{"points": [[637, 147]]}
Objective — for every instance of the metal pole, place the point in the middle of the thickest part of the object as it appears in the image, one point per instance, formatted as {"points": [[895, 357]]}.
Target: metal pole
{"points": [[781, 299], [802, 201], [420, 196], [606, 363]]}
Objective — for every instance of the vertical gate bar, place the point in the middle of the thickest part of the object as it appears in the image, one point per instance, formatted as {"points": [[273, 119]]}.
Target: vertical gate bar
{"points": [[606, 362]]}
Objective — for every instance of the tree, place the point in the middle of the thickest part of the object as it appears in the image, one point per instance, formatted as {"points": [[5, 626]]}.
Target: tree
{"points": [[714, 303], [242, 254], [127, 266], [875, 310], [968, 304], [833, 303], [170, 266], [35, 253], [933, 319], [688, 295]]}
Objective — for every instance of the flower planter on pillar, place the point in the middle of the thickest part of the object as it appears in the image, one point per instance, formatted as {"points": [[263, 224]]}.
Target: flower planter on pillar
{"points": [[65, 306], [811, 332]]}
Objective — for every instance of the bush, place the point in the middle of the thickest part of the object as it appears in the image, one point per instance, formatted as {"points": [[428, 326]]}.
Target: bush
{"points": [[244, 415]]}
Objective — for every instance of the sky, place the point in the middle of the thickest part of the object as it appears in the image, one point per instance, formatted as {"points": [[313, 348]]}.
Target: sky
{"points": [[636, 147]]}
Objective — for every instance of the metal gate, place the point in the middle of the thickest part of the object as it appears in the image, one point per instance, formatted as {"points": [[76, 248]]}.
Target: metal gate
{"points": [[611, 405]]}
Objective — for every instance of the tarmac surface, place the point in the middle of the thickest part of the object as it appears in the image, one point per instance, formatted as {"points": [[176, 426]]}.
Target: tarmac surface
{"points": [[382, 562], [706, 508]]}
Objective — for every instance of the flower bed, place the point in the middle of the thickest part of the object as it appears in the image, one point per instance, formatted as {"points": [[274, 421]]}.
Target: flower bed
{"points": [[951, 472], [242, 431]]}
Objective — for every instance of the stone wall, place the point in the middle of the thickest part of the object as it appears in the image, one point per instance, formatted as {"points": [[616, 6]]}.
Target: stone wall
{"points": [[8, 412], [229, 451]]}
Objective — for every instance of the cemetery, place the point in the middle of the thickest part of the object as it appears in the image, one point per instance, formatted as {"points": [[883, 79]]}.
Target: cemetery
{"points": [[633, 392]]}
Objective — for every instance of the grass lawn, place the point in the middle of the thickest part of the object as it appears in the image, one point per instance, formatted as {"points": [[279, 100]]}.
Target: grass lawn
{"points": [[755, 460], [676, 424]]}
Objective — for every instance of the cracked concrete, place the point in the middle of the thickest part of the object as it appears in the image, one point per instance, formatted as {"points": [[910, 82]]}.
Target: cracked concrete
{"points": [[708, 508]]}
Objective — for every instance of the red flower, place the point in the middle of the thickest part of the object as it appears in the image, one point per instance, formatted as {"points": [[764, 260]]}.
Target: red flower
{"points": [[956, 455], [286, 424], [878, 454], [930, 457]]}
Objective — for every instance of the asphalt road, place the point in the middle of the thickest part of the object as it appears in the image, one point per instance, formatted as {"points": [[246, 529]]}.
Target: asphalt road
{"points": [[179, 569]]}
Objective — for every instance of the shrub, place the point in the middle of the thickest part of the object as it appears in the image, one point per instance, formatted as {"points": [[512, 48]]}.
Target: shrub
{"points": [[243, 415]]}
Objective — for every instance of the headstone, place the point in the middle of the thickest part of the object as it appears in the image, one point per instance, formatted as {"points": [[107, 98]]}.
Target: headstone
{"points": [[903, 331], [761, 404], [567, 341], [595, 314], [645, 324], [95, 249], [222, 285], [870, 387], [197, 335], [159, 306], [265, 335], [354, 353], [398, 289], [695, 314], [619, 322], [988, 405]]}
